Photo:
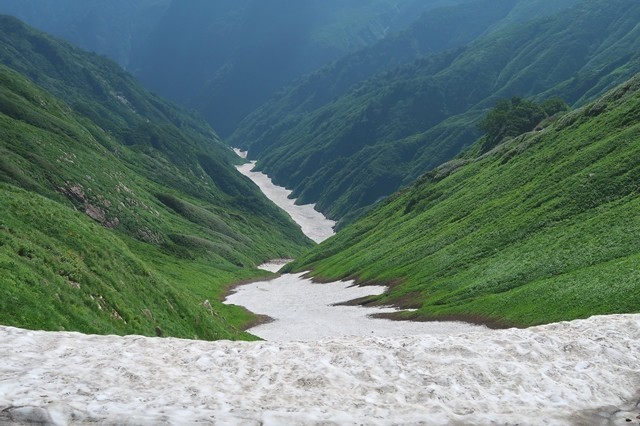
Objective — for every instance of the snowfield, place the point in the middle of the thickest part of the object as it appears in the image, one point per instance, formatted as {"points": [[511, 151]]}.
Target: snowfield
{"points": [[581, 372], [303, 310]]}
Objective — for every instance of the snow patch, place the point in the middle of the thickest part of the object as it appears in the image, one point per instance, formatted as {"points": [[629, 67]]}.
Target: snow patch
{"points": [[303, 310], [274, 265], [313, 223]]}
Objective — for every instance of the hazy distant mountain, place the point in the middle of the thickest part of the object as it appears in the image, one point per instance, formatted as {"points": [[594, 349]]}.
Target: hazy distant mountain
{"points": [[115, 28], [436, 31], [222, 57], [225, 58], [345, 143]]}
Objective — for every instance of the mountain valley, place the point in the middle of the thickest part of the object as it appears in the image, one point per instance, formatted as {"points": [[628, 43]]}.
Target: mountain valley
{"points": [[428, 209], [374, 136], [108, 168]]}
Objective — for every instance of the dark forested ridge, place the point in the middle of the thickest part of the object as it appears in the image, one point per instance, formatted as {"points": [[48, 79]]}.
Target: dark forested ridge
{"points": [[225, 58], [347, 152], [438, 30], [542, 228], [119, 211]]}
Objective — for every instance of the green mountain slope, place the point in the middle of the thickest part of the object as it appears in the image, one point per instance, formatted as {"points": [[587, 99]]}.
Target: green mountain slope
{"points": [[120, 213], [348, 153], [542, 228]]}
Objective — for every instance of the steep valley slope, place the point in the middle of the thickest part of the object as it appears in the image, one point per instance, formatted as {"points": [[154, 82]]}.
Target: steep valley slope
{"points": [[542, 228], [349, 149], [119, 212]]}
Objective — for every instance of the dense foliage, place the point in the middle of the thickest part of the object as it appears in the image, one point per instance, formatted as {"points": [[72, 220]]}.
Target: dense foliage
{"points": [[349, 152], [541, 229], [119, 212], [515, 116]]}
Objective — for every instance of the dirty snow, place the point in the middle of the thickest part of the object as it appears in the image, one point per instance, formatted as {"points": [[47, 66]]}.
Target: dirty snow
{"points": [[581, 372]]}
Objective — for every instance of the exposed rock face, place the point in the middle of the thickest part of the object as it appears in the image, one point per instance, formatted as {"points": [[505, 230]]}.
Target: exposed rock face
{"points": [[75, 191], [149, 236], [96, 212]]}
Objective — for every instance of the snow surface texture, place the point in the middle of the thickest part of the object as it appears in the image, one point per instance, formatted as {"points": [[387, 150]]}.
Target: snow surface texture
{"points": [[274, 265], [581, 372], [313, 223], [303, 310]]}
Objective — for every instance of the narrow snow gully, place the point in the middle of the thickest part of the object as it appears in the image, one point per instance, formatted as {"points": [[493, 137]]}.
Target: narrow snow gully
{"points": [[303, 310], [312, 222]]}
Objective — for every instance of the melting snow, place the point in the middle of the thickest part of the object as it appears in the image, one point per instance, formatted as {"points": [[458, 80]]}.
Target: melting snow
{"points": [[304, 310], [581, 372], [274, 265], [313, 223]]}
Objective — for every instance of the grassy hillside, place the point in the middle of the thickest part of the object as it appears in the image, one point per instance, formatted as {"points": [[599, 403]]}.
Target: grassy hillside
{"points": [[120, 213], [101, 90], [348, 153], [542, 228]]}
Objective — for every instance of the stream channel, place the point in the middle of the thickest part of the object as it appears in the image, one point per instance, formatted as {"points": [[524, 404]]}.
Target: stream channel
{"points": [[303, 310]]}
